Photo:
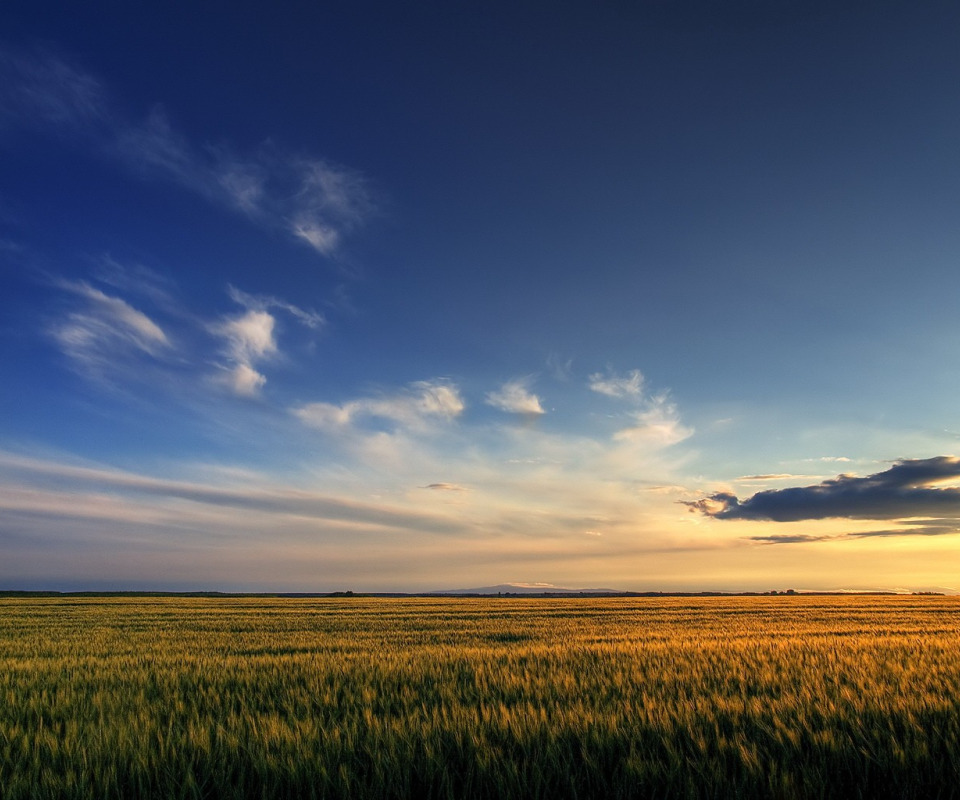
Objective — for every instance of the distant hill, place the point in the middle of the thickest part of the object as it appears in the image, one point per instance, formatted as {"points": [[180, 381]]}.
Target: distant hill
{"points": [[526, 588]]}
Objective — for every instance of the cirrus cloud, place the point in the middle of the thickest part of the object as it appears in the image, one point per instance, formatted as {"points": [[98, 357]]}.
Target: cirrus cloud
{"points": [[515, 397], [629, 385], [312, 200], [422, 403], [105, 329], [658, 423]]}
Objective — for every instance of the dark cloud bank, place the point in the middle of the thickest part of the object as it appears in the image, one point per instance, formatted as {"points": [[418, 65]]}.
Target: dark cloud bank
{"points": [[906, 490]]}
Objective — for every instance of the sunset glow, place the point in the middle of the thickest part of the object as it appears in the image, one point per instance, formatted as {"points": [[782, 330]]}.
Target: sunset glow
{"points": [[383, 297]]}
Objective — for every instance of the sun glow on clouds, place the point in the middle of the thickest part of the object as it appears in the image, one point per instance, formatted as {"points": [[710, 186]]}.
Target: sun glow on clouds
{"points": [[421, 478], [912, 488], [524, 483], [658, 423], [515, 488], [531, 511], [499, 498], [655, 418]]}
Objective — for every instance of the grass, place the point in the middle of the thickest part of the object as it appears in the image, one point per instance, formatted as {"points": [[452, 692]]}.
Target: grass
{"points": [[792, 697]]}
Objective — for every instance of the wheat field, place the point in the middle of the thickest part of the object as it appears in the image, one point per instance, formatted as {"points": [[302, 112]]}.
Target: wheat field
{"points": [[257, 697]]}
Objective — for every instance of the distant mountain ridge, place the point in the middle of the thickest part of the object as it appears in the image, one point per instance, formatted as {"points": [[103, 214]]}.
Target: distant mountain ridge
{"points": [[527, 588]]}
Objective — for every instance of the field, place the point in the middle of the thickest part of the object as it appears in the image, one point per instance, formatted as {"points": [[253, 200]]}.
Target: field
{"points": [[173, 697]]}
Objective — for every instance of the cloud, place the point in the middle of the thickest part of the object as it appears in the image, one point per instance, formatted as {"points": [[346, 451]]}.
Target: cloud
{"points": [[245, 380], [788, 538], [920, 528], [136, 279], [38, 486], [560, 368], [414, 409], [908, 489], [663, 489], [104, 329], [773, 476], [320, 236], [398, 469], [249, 335], [154, 149], [107, 337], [329, 202], [258, 302], [628, 386], [248, 339], [313, 200], [327, 416], [514, 397], [138, 326], [657, 424], [41, 90]]}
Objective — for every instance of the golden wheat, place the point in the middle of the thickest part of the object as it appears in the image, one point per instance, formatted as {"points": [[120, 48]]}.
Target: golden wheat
{"points": [[500, 697]]}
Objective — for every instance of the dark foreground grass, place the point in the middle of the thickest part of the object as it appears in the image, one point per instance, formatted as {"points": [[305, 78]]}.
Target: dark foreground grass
{"points": [[498, 698]]}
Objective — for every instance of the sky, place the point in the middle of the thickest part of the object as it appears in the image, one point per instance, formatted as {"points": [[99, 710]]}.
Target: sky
{"points": [[377, 296]]}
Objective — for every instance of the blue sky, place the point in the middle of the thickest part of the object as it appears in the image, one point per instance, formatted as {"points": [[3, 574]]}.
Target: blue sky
{"points": [[655, 296]]}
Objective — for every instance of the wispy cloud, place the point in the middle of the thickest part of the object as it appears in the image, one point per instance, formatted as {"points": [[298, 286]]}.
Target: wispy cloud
{"points": [[408, 469], [111, 340], [629, 385], [657, 423], [920, 529], [249, 335], [422, 403], [153, 149], [908, 489], [36, 494], [313, 200], [260, 302], [43, 91], [559, 367], [245, 380], [142, 330], [773, 476], [248, 339], [655, 419], [789, 538], [136, 279], [330, 201], [515, 397], [105, 329], [911, 528]]}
